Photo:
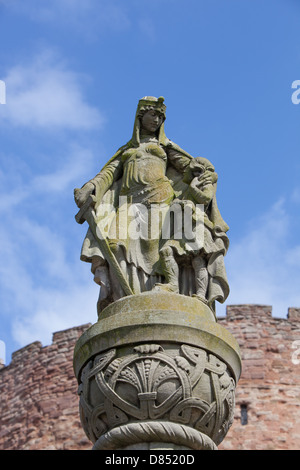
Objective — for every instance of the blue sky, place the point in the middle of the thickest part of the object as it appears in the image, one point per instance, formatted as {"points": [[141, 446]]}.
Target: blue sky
{"points": [[74, 71]]}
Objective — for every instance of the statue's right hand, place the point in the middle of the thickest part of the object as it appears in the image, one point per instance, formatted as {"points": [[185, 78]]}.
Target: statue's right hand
{"points": [[81, 195]]}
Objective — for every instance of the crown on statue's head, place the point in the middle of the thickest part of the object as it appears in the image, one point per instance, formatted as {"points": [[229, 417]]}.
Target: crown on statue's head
{"points": [[151, 101]]}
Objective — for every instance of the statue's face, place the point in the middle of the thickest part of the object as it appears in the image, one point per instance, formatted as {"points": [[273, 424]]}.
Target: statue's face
{"points": [[151, 121]]}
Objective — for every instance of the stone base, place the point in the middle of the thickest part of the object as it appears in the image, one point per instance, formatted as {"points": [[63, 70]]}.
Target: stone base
{"points": [[156, 369]]}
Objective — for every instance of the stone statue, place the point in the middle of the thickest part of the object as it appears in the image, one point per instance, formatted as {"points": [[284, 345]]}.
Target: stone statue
{"points": [[137, 205], [156, 371]]}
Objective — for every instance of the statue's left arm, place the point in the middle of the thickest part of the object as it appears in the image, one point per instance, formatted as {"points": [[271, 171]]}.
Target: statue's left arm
{"points": [[177, 157]]}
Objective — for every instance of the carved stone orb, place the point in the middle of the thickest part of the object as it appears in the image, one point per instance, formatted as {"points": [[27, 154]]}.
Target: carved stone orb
{"points": [[177, 390]]}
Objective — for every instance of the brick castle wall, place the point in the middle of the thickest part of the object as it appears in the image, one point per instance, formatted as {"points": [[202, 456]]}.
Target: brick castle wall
{"points": [[38, 399], [39, 403]]}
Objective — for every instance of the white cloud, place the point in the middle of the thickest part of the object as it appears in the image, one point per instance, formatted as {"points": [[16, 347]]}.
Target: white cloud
{"points": [[45, 94], [43, 290], [44, 287], [74, 164], [263, 266], [55, 310], [71, 171]]}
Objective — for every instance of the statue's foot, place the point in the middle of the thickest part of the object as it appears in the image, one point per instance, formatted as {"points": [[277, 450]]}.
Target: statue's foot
{"points": [[201, 298], [166, 287]]}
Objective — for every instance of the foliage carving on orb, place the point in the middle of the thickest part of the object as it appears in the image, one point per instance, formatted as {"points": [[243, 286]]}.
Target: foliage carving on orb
{"points": [[187, 386]]}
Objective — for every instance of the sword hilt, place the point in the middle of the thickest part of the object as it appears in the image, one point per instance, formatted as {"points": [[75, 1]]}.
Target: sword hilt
{"points": [[90, 202]]}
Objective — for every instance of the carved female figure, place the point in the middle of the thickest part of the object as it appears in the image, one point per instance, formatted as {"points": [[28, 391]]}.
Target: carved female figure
{"points": [[149, 171]]}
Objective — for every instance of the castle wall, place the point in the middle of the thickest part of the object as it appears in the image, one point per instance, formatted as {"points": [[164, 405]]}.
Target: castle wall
{"points": [[268, 392], [39, 402]]}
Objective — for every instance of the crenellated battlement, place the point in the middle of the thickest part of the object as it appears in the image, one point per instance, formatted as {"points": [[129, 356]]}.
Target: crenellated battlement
{"points": [[240, 312], [58, 339], [293, 314], [259, 312]]}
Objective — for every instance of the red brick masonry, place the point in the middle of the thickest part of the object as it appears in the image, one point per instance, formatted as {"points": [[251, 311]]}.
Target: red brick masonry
{"points": [[39, 403]]}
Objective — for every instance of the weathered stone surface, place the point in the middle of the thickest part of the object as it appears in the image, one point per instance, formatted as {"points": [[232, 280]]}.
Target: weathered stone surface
{"points": [[159, 317], [154, 222], [157, 367], [154, 226]]}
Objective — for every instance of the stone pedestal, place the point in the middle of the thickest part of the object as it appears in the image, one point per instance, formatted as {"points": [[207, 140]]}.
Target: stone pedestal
{"points": [[157, 372]]}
